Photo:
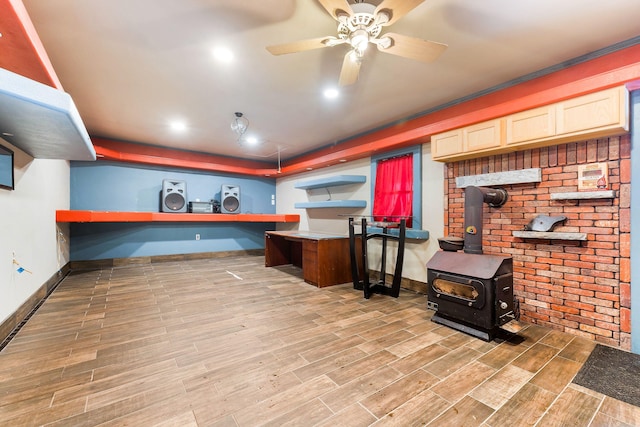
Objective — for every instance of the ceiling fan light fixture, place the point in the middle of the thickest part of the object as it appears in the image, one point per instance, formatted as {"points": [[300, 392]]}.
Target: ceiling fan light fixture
{"points": [[360, 40], [361, 22]]}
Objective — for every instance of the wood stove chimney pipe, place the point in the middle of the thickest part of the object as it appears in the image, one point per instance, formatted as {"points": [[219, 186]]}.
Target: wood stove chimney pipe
{"points": [[473, 199]]}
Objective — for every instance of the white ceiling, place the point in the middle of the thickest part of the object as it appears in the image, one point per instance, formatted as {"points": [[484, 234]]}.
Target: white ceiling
{"points": [[131, 66]]}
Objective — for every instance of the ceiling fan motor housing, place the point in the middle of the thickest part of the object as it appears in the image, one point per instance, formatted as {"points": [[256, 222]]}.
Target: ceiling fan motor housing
{"points": [[362, 19]]}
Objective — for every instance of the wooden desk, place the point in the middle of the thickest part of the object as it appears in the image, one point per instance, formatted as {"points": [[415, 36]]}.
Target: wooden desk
{"points": [[324, 258]]}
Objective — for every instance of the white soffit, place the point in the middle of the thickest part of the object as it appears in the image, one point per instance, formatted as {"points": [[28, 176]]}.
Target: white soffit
{"points": [[42, 121]]}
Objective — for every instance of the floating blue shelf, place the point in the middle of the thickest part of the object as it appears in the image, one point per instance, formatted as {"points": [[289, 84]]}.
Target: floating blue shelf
{"points": [[331, 181], [332, 204]]}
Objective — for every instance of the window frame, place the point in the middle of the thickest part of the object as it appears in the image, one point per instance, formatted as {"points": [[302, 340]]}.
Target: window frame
{"points": [[417, 179]]}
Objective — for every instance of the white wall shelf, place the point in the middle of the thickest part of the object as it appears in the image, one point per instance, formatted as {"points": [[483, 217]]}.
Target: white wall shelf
{"points": [[524, 176], [584, 195], [549, 235]]}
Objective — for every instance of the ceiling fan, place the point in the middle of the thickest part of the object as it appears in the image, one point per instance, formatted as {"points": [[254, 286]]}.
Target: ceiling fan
{"points": [[361, 23]]}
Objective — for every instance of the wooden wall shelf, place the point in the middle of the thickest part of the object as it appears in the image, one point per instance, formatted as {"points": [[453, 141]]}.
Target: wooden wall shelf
{"points": [[108, 216]]}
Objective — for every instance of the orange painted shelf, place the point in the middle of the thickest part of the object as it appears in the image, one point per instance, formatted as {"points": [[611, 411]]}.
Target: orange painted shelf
{"points": [[108, 216]]}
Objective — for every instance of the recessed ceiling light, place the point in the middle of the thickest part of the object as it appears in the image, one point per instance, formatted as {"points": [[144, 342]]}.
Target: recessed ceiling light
{"points": [[178, 126], [252, 140], [223, 54], [342, 160], [7, 134], [331, 93], [309, 169]]}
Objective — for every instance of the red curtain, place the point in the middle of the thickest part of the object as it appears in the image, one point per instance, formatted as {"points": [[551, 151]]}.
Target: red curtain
{"points": [[393, 194]]}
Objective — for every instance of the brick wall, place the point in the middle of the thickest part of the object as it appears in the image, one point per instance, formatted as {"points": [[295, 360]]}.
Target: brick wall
{"points": [[579, 287]]}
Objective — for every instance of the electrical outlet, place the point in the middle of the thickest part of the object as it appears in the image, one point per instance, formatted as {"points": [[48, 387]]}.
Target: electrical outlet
{"points": [[197, 236]]}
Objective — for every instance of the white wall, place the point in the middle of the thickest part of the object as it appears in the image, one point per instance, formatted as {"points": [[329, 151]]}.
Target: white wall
{"points": [[28, 228], [417, 252], [324, 220]]}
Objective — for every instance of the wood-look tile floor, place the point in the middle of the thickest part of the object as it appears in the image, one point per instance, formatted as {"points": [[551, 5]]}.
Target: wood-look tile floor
{"points": [[228, 342]]}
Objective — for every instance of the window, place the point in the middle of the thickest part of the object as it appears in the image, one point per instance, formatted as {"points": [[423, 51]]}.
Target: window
{"points": [[393, 192], [397, 185], [6, 168]]}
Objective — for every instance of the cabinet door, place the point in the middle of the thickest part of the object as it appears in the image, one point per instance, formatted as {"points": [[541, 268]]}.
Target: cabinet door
{"points": [[597, 111], [531, 125], [482, 136], [446, 144]]}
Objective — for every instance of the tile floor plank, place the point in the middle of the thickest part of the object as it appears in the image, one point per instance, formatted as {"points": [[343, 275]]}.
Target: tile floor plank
{"points": [[184, 342]]}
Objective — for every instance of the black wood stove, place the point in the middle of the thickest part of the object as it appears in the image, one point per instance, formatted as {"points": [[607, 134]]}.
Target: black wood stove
{"points": [[470, 291]]}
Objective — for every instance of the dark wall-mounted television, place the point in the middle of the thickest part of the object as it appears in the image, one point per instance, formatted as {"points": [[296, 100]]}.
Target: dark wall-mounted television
{"points": [[6, 168]]}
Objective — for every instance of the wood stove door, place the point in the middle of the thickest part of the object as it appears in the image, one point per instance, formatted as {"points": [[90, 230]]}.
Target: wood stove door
{"points": [[466, 291]]}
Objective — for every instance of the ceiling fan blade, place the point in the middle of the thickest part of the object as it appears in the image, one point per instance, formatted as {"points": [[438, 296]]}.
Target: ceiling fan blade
{"points": [[350, 69], [335, 7], [397, 8], [302, 45], [411, 47]]}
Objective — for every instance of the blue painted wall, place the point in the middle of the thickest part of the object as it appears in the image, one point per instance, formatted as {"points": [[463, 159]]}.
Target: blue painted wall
{"points": [[109, 186]]}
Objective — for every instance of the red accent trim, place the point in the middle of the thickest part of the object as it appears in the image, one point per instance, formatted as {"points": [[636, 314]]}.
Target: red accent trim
{"points": [[106, 216], [22, 50], [601, 73], [166, 157]]}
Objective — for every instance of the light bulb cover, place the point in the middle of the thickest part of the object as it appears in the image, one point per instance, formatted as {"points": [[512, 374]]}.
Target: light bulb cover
{"points": [[240, 124]]}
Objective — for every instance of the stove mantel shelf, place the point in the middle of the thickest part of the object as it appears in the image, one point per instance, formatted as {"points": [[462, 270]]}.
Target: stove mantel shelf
{"points": [[550, 235]]}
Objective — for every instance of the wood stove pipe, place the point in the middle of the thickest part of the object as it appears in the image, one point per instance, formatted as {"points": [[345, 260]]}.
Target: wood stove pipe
{"points": [[473, 199]]}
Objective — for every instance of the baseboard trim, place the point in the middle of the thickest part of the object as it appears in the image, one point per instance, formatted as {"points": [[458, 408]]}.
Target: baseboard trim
{"points": [[12, 325]]}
